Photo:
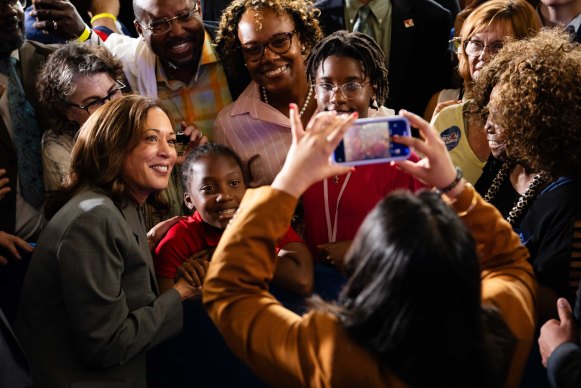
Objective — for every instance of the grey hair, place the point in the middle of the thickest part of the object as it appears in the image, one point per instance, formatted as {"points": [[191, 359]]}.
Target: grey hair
{"points": [[55, 79]]}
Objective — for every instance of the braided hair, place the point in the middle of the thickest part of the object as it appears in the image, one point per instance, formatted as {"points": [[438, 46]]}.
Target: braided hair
{"points": [[353, 45]]}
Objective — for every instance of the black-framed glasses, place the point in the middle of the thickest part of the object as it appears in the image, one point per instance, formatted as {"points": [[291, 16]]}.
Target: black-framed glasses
{"points": [[163, 25], [92, 106], [350, 90], [278, 43], [473, 48]]}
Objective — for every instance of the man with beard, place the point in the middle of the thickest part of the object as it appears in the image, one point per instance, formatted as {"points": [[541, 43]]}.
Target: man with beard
{"points": [[174, 60]]}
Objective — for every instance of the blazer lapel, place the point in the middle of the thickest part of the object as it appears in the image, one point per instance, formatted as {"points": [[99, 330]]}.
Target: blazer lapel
{"points": [[135, 221]]}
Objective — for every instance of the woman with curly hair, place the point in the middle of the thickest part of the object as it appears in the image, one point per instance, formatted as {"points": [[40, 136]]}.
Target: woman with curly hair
{"points": [[529, 95], [271, 39], [483, 34]]}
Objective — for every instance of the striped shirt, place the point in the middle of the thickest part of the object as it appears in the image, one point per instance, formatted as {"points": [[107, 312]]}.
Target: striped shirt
{"points": [[259, 133]]}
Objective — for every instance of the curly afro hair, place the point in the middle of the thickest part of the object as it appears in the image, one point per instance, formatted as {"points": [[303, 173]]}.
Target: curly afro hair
{"points": [[303, 12], [538, 81]]}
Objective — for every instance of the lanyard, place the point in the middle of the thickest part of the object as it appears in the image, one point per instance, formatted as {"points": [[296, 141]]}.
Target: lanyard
{"points": [[332, 230]]}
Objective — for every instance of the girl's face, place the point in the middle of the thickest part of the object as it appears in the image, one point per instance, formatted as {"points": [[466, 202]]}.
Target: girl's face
{"points": [[216, 189], [342, 86], [278, 73]]}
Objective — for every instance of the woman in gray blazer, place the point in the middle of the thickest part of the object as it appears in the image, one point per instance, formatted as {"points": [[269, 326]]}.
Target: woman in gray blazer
{"points": [[91, 307]]}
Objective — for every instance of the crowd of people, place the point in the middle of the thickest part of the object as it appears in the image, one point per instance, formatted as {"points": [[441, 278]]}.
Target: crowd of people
{"points": [[170, 214]]}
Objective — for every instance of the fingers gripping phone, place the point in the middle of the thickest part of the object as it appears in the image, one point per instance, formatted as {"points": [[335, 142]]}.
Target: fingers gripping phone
{"points": [[369, 141]]}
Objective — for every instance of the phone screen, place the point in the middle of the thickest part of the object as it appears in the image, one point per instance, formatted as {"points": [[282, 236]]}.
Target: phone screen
{"points": [[369, 141]]}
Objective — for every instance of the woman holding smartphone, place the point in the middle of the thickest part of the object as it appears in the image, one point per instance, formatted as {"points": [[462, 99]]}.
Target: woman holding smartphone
{"points": [[411, 314], [343, 65]]}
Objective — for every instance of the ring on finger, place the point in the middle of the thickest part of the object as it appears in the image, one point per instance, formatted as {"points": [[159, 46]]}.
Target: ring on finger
{"points": [[54, 25]]}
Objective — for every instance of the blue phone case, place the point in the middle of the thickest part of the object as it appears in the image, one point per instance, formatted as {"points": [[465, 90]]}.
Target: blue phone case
{"points": [[369, 141]]}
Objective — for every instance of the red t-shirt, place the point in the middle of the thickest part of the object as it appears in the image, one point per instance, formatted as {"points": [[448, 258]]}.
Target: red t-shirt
{"points": [[193, 235], [367, 185]]}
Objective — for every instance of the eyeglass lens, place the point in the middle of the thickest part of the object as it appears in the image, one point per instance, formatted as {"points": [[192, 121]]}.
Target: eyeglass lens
{"points": [[164, 25], [350, 90], [278, 44], [475, 48]]}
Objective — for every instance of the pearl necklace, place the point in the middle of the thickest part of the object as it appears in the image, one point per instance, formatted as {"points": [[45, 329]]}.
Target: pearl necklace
{"points": [[305, 105], [523, 201]]}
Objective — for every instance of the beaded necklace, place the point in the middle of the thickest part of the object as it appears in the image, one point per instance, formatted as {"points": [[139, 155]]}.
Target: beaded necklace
{"points": [[523, 201], [303, 108]]}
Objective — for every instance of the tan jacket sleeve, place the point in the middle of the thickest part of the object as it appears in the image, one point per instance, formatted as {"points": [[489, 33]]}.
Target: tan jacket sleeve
{"points": [[282, 348]]}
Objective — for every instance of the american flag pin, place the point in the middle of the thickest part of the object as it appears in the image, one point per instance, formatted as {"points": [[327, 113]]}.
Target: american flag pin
{"points": [[408, 23]]}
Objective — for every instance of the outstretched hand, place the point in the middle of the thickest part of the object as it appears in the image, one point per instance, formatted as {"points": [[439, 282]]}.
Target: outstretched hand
{"points": [[555, 333], [308, 160], [436, 168]]}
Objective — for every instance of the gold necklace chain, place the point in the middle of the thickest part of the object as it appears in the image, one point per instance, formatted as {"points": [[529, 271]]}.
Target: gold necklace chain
{"points": [[523, 201]]}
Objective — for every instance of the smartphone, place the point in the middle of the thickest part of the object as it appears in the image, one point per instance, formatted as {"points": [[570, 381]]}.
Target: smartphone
{"points": [[182, 142], [369, 141]]}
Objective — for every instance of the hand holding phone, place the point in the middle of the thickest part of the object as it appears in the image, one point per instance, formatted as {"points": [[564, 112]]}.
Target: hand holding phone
{"points": [[369, 141]]}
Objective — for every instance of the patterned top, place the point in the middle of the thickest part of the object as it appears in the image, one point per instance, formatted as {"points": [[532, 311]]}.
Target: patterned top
{"points": [[199, 101]]}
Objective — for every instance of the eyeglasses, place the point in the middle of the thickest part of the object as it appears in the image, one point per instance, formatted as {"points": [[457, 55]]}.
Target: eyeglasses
{"points": [[92, 106], [278, 44], [163, 25], [474, 48], [350, 90]]}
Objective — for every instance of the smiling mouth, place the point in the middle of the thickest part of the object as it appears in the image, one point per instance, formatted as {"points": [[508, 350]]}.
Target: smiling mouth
{"points": [[160, 168], [180, 47], [227, 212], [277, 71]]}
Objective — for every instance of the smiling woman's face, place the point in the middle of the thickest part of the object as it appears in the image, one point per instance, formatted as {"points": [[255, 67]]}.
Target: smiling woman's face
{"points": [[278, 73], [493, 35], [495, 132], [148, 166]]}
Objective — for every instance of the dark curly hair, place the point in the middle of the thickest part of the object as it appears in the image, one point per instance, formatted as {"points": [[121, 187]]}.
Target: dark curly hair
{"points": [[55, 80], [353, 45], [538, 81], [303, 12]]}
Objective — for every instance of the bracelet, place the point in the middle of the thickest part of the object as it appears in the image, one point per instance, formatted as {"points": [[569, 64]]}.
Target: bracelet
{"points": [[85, 35], [103, 15], [451, 186]]}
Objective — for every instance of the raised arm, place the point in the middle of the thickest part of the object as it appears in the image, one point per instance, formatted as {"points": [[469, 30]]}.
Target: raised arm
{"points": [[507, 278]]}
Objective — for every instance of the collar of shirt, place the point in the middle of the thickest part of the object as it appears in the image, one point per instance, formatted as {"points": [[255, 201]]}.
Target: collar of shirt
{"points": [[378, 9], [576, 22], [208, 56], [250, 103]]}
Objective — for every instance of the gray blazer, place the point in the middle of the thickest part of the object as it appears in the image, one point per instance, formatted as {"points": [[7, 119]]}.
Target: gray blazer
{"points": [[90, 306]]}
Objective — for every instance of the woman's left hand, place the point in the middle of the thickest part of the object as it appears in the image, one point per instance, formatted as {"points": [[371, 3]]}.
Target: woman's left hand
{"points": [[308, 160]]}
